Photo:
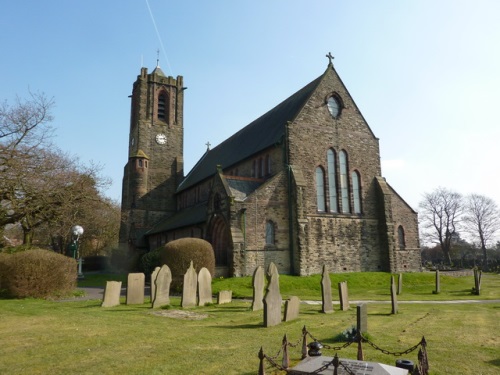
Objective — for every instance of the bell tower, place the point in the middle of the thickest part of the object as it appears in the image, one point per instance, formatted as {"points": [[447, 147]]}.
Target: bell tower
{"points": [[155, 155]]}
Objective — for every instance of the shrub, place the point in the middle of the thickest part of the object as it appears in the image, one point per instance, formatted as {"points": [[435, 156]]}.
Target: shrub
{"points": [[38, 273], [178, 254], [150, 260]]}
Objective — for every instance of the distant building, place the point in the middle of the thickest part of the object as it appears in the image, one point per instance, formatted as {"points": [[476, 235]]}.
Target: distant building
{"points": [[300, 186]]}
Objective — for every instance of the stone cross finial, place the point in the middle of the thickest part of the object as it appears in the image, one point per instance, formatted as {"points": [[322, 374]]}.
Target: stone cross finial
{"points": [[208, 145], [330, 57]]}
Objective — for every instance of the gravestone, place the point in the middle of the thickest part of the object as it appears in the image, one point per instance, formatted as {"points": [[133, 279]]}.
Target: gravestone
{"points": [[258, 289], [292, 307], [224, 296], [394, 298], [362, 318], [135, 288], [326, 292], [343, 296], [204, 287], [152, 283], [438, 283], [400, 284], [189, 287], [272, 300], [477, 281], [112, 294], [162, 286]]}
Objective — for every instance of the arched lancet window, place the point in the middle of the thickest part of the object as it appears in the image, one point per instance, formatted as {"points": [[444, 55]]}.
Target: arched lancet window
{"points": [[401, 238], [268, 164], [255, 169], [163, 106], [270, 239], [262, 167], [332, 183], [344, 183], [356, 192], [320, 189]]}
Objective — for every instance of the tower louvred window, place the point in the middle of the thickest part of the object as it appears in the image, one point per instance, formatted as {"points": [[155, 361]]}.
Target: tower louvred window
{"points": [[162, 106]]}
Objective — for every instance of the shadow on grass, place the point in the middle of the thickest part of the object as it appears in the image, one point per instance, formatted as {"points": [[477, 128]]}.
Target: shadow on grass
{"points": [[241, 326], [494, 362]]}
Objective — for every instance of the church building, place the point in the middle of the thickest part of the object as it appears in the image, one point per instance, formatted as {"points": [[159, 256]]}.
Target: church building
{"points": [[300, 186]]}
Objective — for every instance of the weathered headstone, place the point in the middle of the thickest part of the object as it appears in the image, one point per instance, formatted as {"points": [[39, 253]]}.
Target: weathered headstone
{"points": [[362, 318], [258, 289], [152, 284], [438, 283], [135, 288], [292, 307], [343, 296], [400, 284], [326, 292], [162, 287], [477, 281], [204, 287], [224, 296], [272, 299], [112, 294], [189, 287], [394, 297]]}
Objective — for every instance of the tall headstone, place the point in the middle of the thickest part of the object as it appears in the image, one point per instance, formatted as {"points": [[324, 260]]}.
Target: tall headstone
{"points": [[189, 287], [438, 283], [343, 296], [292, 307], [362, 318], [135, 288], [477, 281], [326, 292], [204, 287], [400, 284], [258, 289], [162, 286], [272, 299], [152, 284], [112, 294], [394, 297]]}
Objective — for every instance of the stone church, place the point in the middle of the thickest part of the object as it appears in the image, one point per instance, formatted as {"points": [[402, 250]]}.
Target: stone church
{"points": [[300, 186]]}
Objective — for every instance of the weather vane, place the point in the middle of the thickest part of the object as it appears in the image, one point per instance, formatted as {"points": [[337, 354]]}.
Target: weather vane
{"points": [[158, 57]]}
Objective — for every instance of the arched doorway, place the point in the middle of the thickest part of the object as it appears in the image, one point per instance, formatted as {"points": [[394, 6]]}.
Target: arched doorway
{"points": [[220, 241]]}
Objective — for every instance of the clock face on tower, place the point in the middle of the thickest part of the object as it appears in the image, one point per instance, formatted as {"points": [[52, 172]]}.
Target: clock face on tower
{"points": [[161, 138]]}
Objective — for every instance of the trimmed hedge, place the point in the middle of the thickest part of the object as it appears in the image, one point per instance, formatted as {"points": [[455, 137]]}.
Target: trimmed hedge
{"points": [[178, 254], [37, 273]]}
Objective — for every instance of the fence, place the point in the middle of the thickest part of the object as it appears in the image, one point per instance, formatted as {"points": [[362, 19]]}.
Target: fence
{"points": [[421, 368]]}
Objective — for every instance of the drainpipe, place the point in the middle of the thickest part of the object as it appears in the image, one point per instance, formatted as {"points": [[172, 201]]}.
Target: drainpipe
{"points": [[289, 197]]}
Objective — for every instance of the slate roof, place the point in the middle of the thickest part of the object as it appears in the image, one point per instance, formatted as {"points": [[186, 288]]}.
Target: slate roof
{"points": [[242, 187], [189, 216], [260, 134]]}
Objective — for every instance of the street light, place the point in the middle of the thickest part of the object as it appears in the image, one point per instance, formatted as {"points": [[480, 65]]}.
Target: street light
{"points": [[77, 231]]}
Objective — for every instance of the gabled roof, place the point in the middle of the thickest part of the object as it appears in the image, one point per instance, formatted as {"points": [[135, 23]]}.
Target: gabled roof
{"points": [[260, 134], [189, 216]]}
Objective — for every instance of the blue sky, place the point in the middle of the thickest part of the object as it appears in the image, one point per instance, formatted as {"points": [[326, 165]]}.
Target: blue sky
{"points": [[424, 73]]}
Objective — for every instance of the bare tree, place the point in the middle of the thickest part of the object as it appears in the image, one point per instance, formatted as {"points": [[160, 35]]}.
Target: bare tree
{"points": [[482, 221], [440, 217]]}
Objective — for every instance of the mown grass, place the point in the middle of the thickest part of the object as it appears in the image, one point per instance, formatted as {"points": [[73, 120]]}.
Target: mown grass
{"points": [[46, 337]]}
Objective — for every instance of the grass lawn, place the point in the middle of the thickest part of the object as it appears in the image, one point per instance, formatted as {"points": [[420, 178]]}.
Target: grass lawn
{"points": [[47, 337]]}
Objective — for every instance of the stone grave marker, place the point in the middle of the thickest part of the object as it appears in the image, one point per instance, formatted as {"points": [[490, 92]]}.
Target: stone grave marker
{"points": [[258, 289], [438, 284], [343, 296], [224, 296], [189, 287], [326, 292], [400, 284], [152, 283], [135, 288], [162, 286], [477, 281], [394, 298], [272, 299], [112, 294], [362, 318], [292, 307], [204, 287]]}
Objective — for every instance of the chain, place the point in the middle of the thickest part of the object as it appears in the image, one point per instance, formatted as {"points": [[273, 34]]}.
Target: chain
{"points": [[396, 354]]}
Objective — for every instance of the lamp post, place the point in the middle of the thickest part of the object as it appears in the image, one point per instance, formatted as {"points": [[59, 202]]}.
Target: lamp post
{"points": [[77, 231]]}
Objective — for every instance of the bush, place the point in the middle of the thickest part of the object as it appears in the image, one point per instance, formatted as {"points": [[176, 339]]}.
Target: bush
{"points": [[150, 260], [37, 273], [178, 254]]}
